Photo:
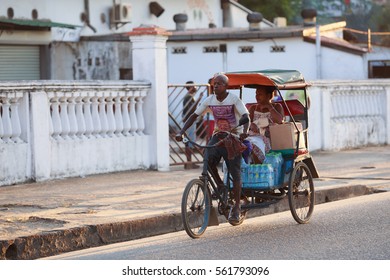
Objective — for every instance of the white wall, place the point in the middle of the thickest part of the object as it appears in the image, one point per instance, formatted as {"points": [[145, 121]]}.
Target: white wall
{"points": [[200, 13], [299, 55], [349, 114], [379, 53], [342, 65], [40, 141]]}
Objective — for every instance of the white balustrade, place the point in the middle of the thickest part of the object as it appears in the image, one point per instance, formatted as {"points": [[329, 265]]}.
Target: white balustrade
{"points": [[83, 114], [84, 111]]}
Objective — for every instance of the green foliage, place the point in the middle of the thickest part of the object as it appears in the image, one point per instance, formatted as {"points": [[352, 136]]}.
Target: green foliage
{"points": [[371, 16], [271, 8], [382, 21]]}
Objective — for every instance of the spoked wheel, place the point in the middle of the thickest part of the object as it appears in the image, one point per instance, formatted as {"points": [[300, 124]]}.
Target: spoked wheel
{"points": [[301, 193], [195, 208]]}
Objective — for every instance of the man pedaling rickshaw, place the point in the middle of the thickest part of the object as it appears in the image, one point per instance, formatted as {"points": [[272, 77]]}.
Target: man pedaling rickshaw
{"points": [[229, 113]]}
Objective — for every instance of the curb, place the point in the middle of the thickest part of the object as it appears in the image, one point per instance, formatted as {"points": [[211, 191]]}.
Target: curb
{"points": [[62, 241]]}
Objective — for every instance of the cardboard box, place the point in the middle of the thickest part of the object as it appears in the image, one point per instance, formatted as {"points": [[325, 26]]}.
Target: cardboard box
{"points": [[284, 136]]}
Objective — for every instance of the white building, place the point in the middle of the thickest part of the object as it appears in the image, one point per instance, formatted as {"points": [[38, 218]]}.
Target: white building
{"points": [[86, 40]]}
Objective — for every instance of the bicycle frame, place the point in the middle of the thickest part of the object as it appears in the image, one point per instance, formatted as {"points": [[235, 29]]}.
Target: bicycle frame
{"points": [[207, 175]]}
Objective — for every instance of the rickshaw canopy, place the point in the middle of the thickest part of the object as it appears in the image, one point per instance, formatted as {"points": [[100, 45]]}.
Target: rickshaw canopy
{"points": [[278, 78]]}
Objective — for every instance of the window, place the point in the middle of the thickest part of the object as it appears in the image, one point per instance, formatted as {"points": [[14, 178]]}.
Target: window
{"points": [[210, 49], [125, 74], [179, 50], [378, 69], [245, 49], [278, 49]]}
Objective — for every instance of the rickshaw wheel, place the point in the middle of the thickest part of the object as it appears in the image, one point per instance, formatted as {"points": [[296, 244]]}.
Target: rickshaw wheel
{"points": [[195, 208], [301, 193]]}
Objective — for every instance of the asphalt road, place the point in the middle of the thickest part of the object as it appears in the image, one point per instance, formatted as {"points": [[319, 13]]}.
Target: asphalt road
{"points": [[351, 229]]}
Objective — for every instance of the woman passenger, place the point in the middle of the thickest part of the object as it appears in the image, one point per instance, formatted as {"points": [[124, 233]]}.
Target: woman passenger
{"points": [[262, 115]]}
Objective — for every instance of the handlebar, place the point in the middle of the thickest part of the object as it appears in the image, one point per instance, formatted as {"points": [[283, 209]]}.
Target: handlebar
{"points": [[243, 120], [186, 140]]}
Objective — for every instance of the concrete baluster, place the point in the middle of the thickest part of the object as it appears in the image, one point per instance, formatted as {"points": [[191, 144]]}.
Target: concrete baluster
{"points": [[125, 115], [133, 116], [1, 122], [344, 108], [336, 105], [51, 131], [103, 117], [73, 128], [371, 100], [351, 103], [140, 114], [80, 118], [15, 121], [110, 116], [88, 116], [64, 118], [7, 126], [118, 117], [95, 117], [55, 118]]}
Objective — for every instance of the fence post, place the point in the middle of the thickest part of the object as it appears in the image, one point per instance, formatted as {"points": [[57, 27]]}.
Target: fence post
{"points": [[149, 56], [40, 135]]}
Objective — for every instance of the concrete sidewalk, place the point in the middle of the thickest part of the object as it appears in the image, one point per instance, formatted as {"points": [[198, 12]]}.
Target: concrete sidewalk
{"points": [[53, 217]]}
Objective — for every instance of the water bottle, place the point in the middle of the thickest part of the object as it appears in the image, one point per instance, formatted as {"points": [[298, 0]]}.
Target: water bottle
{"points": [[270, 175], [257, 172], [262, 173], [244, 172], [278, 168]]}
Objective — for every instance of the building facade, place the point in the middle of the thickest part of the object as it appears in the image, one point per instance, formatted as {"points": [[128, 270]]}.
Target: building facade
{"points": [[87, 40]]}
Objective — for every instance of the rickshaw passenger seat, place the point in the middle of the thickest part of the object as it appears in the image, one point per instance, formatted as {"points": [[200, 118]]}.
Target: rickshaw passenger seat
{"points": [[294, 105]]}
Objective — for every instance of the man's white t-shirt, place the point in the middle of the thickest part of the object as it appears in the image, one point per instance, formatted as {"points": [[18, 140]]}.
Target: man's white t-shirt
{"points": [[226, 113]]}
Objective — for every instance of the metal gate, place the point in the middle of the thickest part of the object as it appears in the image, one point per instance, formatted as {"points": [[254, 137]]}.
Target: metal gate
{"points": [[204, 124], [19, 62]]}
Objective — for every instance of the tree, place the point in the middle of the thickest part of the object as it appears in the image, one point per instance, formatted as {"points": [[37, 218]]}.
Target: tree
{"points": [[382, 22], [270, 9]]}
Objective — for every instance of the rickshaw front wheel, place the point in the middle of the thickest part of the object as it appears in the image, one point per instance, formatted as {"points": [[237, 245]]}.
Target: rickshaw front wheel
{"points": [[301, 193], [195, 208]]}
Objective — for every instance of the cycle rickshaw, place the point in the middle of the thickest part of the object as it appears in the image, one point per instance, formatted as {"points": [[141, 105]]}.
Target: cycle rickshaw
{"points": [[288, 173]]}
